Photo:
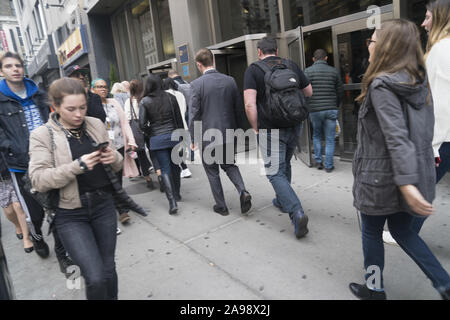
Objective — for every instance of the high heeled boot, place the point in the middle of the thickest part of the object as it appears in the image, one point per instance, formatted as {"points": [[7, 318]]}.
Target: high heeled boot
{"points": [[168, 187]]}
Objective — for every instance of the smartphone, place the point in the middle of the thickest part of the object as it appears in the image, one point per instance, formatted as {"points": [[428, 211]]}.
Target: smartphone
{"points": [[101, 146]]}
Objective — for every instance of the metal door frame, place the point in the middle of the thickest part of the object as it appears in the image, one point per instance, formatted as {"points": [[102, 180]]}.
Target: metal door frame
{"points": [[304, 153], [343, 28]]}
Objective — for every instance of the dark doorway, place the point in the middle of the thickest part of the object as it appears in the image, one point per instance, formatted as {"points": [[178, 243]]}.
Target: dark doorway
{"points": [[314, 40]]}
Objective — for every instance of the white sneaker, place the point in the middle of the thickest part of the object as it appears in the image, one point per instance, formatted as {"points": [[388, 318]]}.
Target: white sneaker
{"points": [[119, 231], [186, 173], [387, 238]]}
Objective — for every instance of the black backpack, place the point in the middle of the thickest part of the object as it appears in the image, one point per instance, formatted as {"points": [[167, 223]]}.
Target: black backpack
{"points": [[285, 103]]}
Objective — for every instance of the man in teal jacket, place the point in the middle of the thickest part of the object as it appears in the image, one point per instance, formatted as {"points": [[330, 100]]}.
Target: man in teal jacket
{"points": [[324, 106]]}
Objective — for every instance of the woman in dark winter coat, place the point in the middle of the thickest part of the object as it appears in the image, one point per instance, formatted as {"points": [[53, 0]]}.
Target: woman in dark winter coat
{"points": [[394, 166]]}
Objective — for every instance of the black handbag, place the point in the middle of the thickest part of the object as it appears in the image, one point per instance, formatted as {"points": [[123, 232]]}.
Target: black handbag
{"points": [[137, 132], [49, 200]]}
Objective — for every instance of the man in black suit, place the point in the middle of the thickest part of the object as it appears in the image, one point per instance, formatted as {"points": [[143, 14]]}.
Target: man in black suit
{"points": [[215, 101]]}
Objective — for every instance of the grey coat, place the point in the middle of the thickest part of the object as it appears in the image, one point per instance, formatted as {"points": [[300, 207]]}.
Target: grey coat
{"points": [[395, 134], [216, 102]]}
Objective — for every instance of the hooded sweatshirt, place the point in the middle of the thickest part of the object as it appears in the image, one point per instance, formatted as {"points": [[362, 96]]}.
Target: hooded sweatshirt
{"points": [[31, 111]]}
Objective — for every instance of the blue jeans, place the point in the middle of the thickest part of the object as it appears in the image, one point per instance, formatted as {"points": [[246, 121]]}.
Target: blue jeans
{"points": [[324, 122], [277, 153], [441, 171], [89, 236], [400, 228]]}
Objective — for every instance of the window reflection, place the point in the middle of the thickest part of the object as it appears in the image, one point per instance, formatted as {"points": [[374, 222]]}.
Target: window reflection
{"points": [[165, 24], [306, 12], [353, 55], [241, 17]]}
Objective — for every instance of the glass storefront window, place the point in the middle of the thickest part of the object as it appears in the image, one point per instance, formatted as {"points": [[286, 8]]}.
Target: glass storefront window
{"points": [[165, 24], [307, 12], [241, 17], [144, 29]]}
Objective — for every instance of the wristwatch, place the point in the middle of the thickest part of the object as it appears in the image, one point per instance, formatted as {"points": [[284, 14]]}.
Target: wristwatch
{"points": [[83, 165]]}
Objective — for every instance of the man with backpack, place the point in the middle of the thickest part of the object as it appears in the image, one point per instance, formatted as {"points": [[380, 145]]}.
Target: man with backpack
{"points": [[274, 95]]}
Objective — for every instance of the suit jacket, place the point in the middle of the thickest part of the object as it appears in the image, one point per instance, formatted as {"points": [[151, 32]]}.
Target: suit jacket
{"points": [[215, 102]]}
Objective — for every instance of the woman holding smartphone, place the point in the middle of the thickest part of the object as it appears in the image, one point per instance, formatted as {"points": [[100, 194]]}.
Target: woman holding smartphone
{"points": [[64, 157]]}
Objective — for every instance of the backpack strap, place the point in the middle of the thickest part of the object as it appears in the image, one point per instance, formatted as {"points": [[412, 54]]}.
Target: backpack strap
{"points": [[263, 66]]}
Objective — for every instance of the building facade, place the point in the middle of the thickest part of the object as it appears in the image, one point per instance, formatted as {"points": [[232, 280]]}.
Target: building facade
{"points": [[10, 33]]}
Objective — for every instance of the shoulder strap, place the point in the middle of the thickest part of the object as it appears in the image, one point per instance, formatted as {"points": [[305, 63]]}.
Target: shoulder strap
{"points": [[133, 113], [263, 66], [52, 143]]}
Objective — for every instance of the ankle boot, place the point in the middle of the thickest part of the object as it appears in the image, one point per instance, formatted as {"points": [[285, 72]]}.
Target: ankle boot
{"points": [[169, 193]]}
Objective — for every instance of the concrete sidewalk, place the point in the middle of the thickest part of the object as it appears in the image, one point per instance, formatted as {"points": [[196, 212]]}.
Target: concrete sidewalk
{"points": [[201, 255]]}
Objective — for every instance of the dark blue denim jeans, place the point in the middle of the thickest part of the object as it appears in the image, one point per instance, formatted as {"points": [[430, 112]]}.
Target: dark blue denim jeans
{"points": [[277, 152], [89, 236], [324, 122], [400, 228], [441, 171]]}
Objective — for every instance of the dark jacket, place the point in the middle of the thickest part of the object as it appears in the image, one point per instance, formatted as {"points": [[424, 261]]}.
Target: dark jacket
{"points": [[395, 134], [216, 102], [14, 134], [327, 87], [95, 107], [157, 119]]}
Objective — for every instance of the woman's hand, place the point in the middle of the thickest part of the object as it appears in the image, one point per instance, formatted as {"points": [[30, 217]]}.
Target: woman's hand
{"points": [[91, 159], [416, 201], [108, 156]]}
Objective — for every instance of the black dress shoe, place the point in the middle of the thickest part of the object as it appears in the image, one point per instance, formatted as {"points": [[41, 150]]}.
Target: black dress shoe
{"points": [[19, 236], [246, 202], [319, 166], [29, 250], [330, 170], [222, 211], [41, 248], [363, 293]]}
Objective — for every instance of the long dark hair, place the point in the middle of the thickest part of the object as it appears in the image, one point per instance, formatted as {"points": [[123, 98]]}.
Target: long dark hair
{"points": [[153, 88]]}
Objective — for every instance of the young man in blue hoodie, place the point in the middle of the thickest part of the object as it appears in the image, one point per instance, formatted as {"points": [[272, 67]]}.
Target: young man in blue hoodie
{"points": [[23, 108]]}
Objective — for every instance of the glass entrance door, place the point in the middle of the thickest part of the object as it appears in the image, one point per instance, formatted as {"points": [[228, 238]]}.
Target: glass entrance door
{"points": [[351, 58], [296, 53]]}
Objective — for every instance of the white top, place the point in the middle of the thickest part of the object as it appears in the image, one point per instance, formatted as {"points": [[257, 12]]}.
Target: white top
{"points": [[181, 102], [438, 67], [128, 109]]}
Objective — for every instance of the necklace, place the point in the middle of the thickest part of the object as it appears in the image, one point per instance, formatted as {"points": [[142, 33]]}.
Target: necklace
{"points": [[76, 133]]}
